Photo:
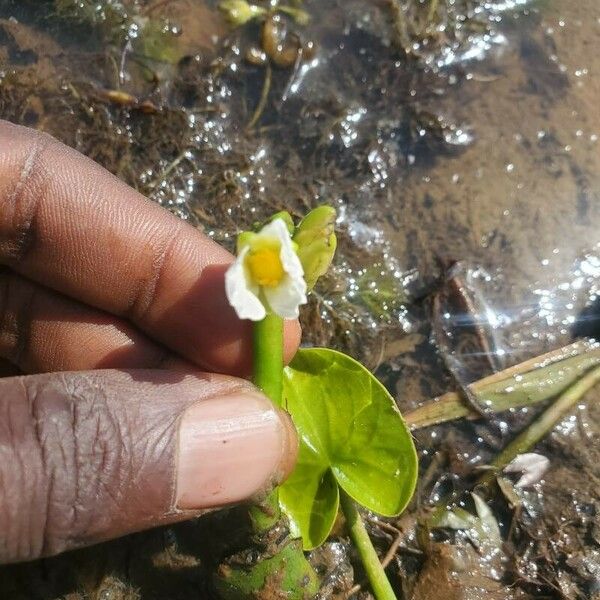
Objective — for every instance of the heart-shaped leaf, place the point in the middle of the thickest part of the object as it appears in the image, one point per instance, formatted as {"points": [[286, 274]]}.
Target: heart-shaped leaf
{"points": [[351, 435]]}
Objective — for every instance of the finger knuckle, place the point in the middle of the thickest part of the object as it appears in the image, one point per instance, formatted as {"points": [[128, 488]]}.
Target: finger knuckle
{"points": [[65, 452], [148, 289], [20, 203]]}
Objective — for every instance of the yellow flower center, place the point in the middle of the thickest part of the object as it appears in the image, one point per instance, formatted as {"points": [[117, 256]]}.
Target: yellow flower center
{"points": [[265, 266]]}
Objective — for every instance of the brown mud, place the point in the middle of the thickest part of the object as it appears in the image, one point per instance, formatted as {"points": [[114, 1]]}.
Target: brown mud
{"points": [[442, 131]]}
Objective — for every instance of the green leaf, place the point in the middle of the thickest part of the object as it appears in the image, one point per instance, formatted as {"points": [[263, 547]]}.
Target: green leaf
{"points": [[285, 216], [381, 291], [489, 529], [351, 435]]}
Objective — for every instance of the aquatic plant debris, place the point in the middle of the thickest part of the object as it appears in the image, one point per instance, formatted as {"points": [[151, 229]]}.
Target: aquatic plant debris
{"points": [[532, 467], [482, 527], [239, 12]]}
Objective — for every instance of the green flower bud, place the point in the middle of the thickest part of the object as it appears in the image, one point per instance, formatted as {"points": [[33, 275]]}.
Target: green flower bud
{"points": [[244, 239], [316, 241], [238, 12], [286, 218]]}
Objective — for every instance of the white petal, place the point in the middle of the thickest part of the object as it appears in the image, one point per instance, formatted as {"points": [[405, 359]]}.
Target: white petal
{"points": [[285, 299], [277, 229], [289, 259], [532, 466], [242, 295]]}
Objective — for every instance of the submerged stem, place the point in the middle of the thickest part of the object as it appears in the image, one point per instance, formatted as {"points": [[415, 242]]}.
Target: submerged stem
{"points": [[431, 13], [543, 424], [527, 383], [373, 567]]}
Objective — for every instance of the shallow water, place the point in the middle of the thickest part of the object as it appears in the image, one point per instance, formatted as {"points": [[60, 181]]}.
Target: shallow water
{"points": [[481, 146]]}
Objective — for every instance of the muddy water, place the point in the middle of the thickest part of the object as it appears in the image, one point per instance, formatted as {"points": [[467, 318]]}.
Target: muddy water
{"points": [[475, 138]]}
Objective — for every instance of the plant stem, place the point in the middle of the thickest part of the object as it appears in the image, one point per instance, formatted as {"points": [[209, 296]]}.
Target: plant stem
{"points": [[260, 107], [525, 384], [543, 425], [268, 376], [268, 356], [280, 568], [375, 571]]}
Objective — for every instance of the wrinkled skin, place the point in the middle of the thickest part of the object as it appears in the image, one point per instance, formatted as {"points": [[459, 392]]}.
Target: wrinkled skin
{"points": [[94, 276]]}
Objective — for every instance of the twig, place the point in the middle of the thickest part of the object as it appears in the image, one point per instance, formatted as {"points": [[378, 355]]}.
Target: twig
{"points": [[387, 559], [389, 528], [294, 75], [158, 5], [260, 107], [399, 22], [375, 522], [168, 169]]}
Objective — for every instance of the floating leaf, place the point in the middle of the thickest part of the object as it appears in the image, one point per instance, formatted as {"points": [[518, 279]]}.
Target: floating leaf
{"points": [[351, 435], [155, 43], [380, 291]]}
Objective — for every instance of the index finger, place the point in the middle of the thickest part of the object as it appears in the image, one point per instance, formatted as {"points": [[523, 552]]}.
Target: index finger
{"points": [[72, 226]]}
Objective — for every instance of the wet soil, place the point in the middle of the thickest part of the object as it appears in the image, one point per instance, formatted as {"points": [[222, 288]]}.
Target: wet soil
{"points": [[471, 134]]}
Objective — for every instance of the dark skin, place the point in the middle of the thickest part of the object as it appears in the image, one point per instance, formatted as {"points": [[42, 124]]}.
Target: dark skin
{"points": [[115, 310]]}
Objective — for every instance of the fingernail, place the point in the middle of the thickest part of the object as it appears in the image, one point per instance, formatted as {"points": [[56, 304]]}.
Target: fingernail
{"points": [[232, 448]]}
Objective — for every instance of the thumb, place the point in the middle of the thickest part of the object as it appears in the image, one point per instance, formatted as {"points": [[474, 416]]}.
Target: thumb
{"points": [[90, 456]]}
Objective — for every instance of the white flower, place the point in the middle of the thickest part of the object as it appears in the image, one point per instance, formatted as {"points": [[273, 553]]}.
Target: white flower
{"points": [[532, 467], [266, 276]]}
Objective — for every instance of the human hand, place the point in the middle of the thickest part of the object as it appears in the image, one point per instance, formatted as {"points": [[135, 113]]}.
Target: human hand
{"points": [[94, 276]]}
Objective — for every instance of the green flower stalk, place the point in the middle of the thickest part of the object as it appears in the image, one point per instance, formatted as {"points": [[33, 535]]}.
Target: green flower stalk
{"points": [[267, 284], [280, 563], [346, 419]]}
